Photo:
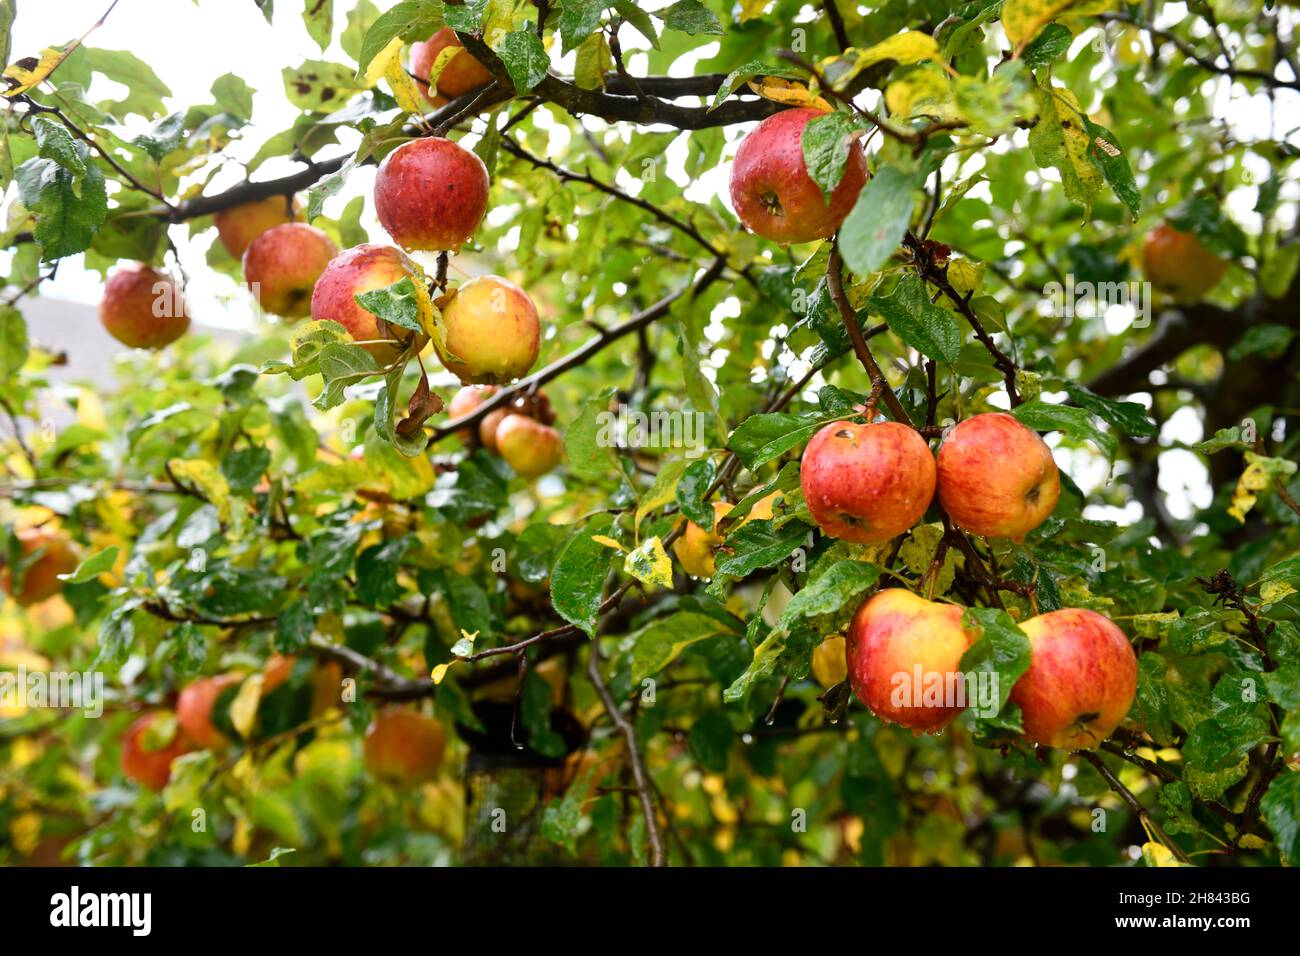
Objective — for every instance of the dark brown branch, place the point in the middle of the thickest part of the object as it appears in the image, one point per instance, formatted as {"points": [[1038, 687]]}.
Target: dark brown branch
{"points": [[1135, 805]]}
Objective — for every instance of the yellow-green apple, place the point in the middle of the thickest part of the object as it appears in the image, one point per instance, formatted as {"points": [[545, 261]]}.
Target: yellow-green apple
{"points": [[54, 555], [143, 308], [466, 400], [431, 194], [238, 226], [771, 191], [997, 477], [696, 549], [403, 747], [461, 74], [1081, 679], [830, 661], [904, 657], [194, 709], [147, 759], [363, 269], [528, 446], [493, 332], [867, 483], [1176, 262], [281, 267]]}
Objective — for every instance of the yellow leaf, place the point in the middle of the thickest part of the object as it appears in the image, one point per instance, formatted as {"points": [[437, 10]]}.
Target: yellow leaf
{"points": [[1274, 591], [1022, 19], [25, 831], [649, 564], [925, 91], [910, 46], [608, 542], [593, 62], [790, 92], [445, 56], [1157, 854], [439, 672], [205, 478], [1258, 476], [243, 709], [378, 67], [405, 90], [749, 9], [1252, 842], [1058, 139], [30, 73]]}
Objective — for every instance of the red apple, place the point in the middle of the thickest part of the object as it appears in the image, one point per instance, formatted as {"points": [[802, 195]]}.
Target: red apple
{"points": [[997, 477], [1176, 262], [281, 267], [465, 401], [40, 581], [151, 768], [194, 709], [363, 269], [867, 483], [487, 428], [493, 332], [403, 747], [771, 191], [431, 195], [904, 657], [278, 669], [238, 226], [461, 74], [1081, 680], [143, 308], [528, 446]]}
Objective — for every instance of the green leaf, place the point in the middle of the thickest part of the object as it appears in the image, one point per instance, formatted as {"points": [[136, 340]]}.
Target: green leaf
{"points": [[578, 21], [233, 95], [694, 482], [318, 18], [930, 329], [67, 217], [319, 86], [163, 137], [1104, 150], [93, 566], [587, 441], [1002, 649], [693, 18], [1270, 341], [659, 643], [53, 141], [13, 343], [765, 437], [342, 365], [841, 587], [1075, 422], [328, 186], [639, 19], [407, 20], [739, 77], [525, 59], [878, 220], [578, 580], [827, 145], [758, 544], [397, 304], [1129, 417], [1281, 808], [1048, 46], [710, 740]]}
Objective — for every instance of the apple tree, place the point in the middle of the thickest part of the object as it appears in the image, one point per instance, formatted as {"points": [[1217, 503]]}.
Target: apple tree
{"points": [[641, 395]]}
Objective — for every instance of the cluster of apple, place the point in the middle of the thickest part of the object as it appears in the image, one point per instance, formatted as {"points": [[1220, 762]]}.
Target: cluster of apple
{"points": [[520, 431], [401, 746]]}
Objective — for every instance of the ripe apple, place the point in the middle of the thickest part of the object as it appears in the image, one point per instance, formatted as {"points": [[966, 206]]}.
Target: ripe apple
{"points": [[904, 655], [363, 269], [867, 483], [41, 579], [403, 747], [1176, 262], [143, 308], [278, 669], [997, 477], [466, 400], [194, 709], [830, 662], [431, 194], [151, 768], [771, 191], [281, 267], [461, 74], [528, 446], [487, 428], [238, 226], [696, 549], [1081, 680], [493, 332]]}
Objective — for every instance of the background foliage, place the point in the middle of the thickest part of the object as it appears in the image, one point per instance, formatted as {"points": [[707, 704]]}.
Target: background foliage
{"points": [[1035, 140]]}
